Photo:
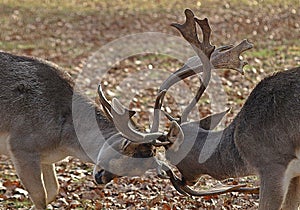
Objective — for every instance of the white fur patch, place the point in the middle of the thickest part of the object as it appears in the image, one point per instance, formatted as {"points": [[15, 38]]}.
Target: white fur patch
{"points": [[293, 170]]}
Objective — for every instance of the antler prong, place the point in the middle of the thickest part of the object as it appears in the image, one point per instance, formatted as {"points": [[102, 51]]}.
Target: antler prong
{"points": [[157, 108], [188, 29], [206, 47], [230, 58], [121, 120], [182, 188], [213, 120], [106, 105]]}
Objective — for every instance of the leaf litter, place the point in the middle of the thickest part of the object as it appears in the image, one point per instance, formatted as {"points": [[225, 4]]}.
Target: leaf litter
{"points": [[68, 38]]}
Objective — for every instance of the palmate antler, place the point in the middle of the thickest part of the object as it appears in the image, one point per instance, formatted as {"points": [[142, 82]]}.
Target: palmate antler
{"points": [[207, 58], [121, 117], [223, 57], [203, 50], [107, 107]]}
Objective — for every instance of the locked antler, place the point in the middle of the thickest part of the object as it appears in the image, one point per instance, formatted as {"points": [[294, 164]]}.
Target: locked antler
{"points": [[207, 58], [223, 57]]}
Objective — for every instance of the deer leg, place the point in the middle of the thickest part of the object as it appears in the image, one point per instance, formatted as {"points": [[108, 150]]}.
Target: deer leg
{"points": [[50, 181], [292, 199], [272, 188], [28, 168]]}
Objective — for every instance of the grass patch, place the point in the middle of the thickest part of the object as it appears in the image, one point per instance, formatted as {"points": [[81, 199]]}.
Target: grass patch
{"points": [[132, 5], [265, 3], [16, 204], [262, 53]]}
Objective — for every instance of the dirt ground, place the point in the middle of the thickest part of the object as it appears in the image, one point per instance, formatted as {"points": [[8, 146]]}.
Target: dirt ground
{"points": [[69, 33]]}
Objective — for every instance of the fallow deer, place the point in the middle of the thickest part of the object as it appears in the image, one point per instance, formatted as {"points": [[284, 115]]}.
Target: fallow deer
{"points": [[41, 115]]}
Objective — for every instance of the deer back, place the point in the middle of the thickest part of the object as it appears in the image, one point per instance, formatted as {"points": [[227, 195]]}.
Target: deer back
{"points": [[34, 96], [268, 124]]}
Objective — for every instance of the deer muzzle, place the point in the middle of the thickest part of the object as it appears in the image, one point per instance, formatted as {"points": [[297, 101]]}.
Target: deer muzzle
{"points": [[103, 177]]}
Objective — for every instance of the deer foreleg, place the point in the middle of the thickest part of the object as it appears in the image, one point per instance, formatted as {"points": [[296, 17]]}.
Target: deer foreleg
{"points": [[50, 181], [292, 199], [272, 189], [28, 168]]}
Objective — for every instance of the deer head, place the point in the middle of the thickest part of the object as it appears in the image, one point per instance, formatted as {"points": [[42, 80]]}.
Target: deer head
{"points": [[125, 157], [172, 140]]}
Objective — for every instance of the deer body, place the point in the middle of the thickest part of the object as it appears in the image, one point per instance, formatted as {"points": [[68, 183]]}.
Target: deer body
{"points": [[37, 126], [36, 101], [263, 139]]}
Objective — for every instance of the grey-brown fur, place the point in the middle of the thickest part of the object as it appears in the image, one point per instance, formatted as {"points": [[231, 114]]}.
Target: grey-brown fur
{"points": [[263, 139], [37, 123]]}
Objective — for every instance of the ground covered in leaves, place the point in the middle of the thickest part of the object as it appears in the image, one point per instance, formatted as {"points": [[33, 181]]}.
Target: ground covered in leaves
{"points": [[69, 32]]}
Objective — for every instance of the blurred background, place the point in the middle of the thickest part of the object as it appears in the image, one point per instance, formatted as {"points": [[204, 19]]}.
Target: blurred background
{"points": [[67, 32]]}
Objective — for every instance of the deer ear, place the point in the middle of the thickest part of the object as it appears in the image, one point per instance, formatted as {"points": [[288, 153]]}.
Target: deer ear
{"points": [[210, 122], [175, 136]]}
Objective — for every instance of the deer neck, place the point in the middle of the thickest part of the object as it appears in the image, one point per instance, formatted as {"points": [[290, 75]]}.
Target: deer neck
{"points": [[90, 129], [213, 153], [225, 160]]}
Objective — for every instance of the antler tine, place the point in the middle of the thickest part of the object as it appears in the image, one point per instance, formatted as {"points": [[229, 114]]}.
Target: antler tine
{"points": [[230, 58], [106, 105], [157, 107], [188, 29], [206, 47], [121, 120], [193, 103]]}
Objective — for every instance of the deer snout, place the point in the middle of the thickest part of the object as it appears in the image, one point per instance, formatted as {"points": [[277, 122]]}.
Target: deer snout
{"points": [[103, 177], [98, 177]]}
